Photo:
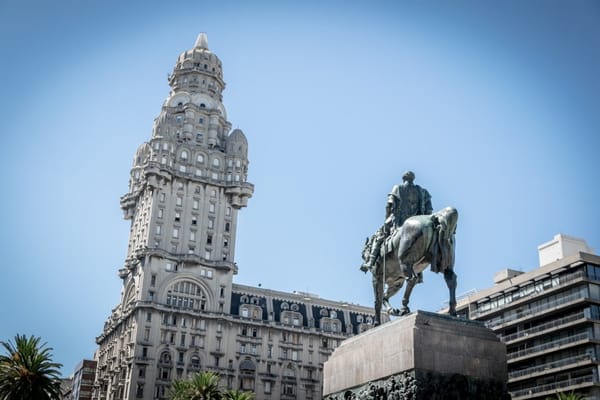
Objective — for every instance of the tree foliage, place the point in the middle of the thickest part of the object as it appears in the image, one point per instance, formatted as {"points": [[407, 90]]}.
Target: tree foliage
{"points": [[204, 386], [567, 396], [27, 371]]}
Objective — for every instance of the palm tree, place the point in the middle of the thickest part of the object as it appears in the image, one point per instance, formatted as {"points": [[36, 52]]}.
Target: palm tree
{"points": [[567, 396], [27, 371], [202, 386], [238, 395]]}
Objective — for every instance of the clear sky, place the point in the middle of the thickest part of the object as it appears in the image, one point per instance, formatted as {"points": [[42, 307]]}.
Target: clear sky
{"points": [[494, 106]]}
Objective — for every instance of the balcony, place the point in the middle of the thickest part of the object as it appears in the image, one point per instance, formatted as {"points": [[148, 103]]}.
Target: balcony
{"points": [[553, 345], [564, 281], [551, 388], [543, 327], [499, 322], [551, 367]]}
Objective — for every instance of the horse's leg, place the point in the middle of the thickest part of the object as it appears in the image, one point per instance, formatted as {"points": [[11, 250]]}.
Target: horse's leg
{"points": [[410, 284], [378, 293], [450, 278], [392, 289]]}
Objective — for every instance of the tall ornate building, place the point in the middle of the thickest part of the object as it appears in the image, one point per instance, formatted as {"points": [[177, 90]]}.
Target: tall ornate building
{"points": [[180, 311]]}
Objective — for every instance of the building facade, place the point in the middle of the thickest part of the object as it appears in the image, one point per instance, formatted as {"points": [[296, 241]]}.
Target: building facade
{"points": [[180, 311], [82, 383], [549, 319]]}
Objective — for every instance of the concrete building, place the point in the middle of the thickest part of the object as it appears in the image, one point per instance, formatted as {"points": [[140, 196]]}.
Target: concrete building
{"points": [[180, 311], [82, 382], [549, 319]]}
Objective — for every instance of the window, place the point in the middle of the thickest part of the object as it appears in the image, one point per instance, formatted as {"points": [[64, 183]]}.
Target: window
{"points": [[184, 155], [182, 168], [192, 235], [162, 198], [158, 229], [147, 334], [228, 211], [207, 254], [226, 226], [178, 201], [267, 387], [163, 160], [216, 163], [175, 233], [195, 204], [211, 224], [209, 239], [139, 391], [215, 176], [160, 213], [148, 317], [177, 216], [194, 220], [213, 193], [211, 208]]}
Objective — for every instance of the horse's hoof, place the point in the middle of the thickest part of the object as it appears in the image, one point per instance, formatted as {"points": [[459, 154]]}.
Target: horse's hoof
{"points": [[394, 312], [405, 311]]}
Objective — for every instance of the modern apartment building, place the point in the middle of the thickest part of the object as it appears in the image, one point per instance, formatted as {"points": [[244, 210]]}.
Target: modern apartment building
{"points": [[180, 311], [549, 319], [82, 383]]}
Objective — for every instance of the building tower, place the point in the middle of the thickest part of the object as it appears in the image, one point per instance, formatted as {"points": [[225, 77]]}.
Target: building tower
{"points": [[180, 312], [186, 187]]}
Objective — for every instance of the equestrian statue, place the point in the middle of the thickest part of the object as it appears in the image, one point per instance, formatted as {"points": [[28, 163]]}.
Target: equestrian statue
{"points": [[411, 238]]}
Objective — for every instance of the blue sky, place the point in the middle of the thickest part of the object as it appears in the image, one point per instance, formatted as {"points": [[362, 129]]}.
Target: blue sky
{"points": [[494, 105]]}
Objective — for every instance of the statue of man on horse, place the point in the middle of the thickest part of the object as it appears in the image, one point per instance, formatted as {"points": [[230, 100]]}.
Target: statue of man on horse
{"points": [[410, 239]]}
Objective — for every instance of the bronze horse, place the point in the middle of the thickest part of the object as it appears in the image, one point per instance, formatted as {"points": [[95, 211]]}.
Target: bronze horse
{"points": [[421, 241]]}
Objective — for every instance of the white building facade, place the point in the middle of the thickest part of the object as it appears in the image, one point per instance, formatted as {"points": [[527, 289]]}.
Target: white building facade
{"points": [[180, 311]]}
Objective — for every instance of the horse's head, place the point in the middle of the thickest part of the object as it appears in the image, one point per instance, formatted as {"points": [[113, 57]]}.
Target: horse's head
{"points": [[449, 218]]}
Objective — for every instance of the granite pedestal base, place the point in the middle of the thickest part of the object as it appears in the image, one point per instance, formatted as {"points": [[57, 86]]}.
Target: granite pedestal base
{"points": [[420, 356]]}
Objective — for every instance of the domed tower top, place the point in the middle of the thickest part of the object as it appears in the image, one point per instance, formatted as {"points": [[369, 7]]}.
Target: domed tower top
{"points": [[202, 42], [198, 70]]}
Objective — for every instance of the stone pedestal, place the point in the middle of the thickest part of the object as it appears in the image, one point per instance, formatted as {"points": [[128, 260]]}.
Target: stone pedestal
{"points": [[420, 356]]}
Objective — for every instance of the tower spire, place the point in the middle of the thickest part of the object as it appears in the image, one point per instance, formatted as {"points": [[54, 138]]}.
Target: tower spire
{"points": [[202, 41]]}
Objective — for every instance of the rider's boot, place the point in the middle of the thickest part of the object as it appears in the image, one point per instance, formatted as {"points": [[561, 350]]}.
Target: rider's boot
{"points": [[369, 264]]}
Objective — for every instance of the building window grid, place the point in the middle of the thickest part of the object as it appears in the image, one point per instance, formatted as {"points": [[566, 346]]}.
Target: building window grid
{"points": [[525, 291]]}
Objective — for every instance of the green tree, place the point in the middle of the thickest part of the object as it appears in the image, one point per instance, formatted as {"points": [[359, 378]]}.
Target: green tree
{"points": [[201, 386], [567, 396], [238, 395], [27, 371]]}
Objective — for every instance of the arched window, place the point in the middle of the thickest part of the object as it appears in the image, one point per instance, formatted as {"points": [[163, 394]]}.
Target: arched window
{"points": [[200, 158], [184, 155], [186, 294], [289, 372], [216, 162], [285, 306], [195, 361], [165, 357]]}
